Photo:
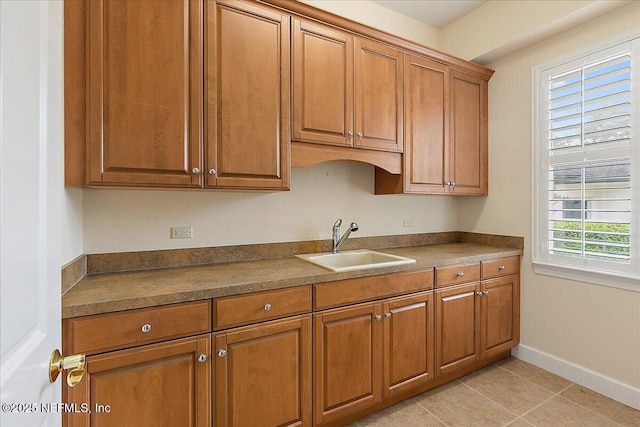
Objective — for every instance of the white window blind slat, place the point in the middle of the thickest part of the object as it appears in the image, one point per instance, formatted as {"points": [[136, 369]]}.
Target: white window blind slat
{"points": [[589, 210]]}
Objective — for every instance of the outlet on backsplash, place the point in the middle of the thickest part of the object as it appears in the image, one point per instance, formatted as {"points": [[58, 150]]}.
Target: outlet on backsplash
{"points": [[185, 232], [407, 222]]}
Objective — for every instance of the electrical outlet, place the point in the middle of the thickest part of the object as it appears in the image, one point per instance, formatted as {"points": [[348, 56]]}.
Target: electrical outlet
{"points": [[185, 232], [407, 222]]}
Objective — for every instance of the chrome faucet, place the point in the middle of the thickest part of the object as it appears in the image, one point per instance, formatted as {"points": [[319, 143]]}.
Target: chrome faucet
{"points": [[337, 240]]}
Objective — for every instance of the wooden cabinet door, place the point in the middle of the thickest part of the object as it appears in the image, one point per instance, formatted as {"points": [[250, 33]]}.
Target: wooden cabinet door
{"points": [[378, 96], [457, 327], [322, 84], [145, 95], [247, 79], [426, 131], [469, 135], [500, 315], [408, 342], [347, 361], [262, 374], [158, 384]]}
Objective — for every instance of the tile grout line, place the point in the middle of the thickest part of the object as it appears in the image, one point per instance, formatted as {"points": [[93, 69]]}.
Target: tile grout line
{"points": [[535, 383], [543, 402], [557, 394], [591, 410], [491, 400], [521, 416], [434, 415], [554, 394]]}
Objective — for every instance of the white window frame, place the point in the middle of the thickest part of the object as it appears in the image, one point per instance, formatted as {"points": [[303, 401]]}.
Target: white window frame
{"points": [[601, 273]]}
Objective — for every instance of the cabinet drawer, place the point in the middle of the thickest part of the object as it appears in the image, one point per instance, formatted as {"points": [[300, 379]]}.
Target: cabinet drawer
{"points": [[500, 267], [104, 332], [244, 309], [343, 292], [455, 274]]}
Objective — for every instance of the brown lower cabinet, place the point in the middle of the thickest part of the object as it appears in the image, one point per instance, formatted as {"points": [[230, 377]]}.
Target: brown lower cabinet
{"points": [[366, 353], [154, 385], [357, 346], [476, 321], [262, 374]]}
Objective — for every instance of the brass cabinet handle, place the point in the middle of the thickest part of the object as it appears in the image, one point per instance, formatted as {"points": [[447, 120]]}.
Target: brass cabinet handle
{"points": [[75, 363]]}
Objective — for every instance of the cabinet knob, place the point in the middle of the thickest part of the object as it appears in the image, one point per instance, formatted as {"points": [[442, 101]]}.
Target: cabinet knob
{"points": [[479, 293], [378, 317], [501, 268], [387, 315], [212, 171], [222, 352], [146, 327], [461, 274], [453, 183], [359, 134], [202, 358], [448, 182], [350, 133], [267, 307], [195, 171], [486, 292]]}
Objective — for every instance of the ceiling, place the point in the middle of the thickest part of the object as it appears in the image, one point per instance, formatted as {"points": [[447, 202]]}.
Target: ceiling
{"points": [[437, 13]]}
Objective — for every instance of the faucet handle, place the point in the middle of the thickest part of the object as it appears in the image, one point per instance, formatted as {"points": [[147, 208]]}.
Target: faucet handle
{"points": [[337, 224]]}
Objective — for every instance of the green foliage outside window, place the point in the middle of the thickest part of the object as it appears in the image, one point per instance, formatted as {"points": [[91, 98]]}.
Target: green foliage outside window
{"points": [[593, 233]]}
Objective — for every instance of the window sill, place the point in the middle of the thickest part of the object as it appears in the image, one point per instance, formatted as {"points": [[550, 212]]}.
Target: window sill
{"points": [[598, 277]]}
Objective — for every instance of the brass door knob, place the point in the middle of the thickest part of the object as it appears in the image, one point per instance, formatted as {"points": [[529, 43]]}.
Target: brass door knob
{"points": [[75, 363]]}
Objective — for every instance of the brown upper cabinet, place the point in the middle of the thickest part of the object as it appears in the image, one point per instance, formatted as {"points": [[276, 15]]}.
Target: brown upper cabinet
{"points": [[144, 93], [232, 93], [322, 84], [347, 90], [469, 135], [165, 110], [247, 80], [445, 133], [426, 127]]}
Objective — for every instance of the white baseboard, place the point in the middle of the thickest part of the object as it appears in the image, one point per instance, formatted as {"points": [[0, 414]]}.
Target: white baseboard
{"points": [[592, 380]]}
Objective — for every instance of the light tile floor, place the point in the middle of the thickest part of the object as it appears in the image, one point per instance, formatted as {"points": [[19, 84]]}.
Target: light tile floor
{"points": [[508, 393]]}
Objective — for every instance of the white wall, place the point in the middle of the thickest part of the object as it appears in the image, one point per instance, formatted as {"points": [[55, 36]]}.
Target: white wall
{"points": [[134, 220], [374, 15], [72, 224], [498, 27], [591, 326]]}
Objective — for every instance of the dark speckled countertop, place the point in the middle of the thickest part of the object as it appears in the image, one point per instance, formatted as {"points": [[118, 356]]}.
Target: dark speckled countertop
{"points": [[109, 292]]}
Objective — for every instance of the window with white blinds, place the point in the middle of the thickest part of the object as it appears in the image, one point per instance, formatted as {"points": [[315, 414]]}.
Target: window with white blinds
{"points": [[586, 157]]}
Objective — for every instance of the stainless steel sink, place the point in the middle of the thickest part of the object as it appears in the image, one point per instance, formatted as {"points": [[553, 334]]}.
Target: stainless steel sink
{"points": [[355, 260]]}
